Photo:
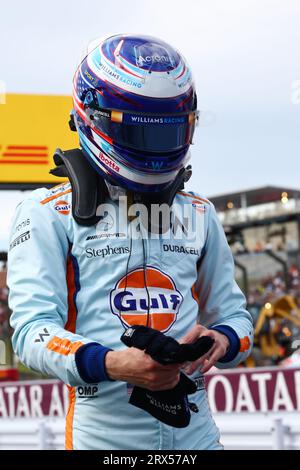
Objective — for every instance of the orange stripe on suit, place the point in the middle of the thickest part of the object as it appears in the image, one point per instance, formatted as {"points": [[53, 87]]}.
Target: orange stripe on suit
{"points": [[70, 326], [69, 419], [55, 196], [198, 198]]}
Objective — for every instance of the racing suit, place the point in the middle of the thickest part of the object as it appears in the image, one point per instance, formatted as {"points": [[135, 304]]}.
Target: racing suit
{"points": [[71, 285]]}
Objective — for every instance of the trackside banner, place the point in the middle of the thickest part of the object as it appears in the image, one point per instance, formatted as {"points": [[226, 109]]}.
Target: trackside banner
{"points": [[254, 390], [31, 128], [241, 390]]}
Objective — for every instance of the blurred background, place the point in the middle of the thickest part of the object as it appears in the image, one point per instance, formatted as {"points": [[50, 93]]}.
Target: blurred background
{"points": [[245, 61]]}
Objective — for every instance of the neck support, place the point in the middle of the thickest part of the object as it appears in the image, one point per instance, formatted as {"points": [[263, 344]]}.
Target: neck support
{"points": [[89, 189]]}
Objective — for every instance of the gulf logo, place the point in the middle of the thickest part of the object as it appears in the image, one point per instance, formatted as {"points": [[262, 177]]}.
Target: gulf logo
{"points": [[63, 207], [130, 298]]}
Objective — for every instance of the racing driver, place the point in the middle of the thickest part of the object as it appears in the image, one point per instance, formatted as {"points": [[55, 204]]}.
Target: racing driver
{"points": [[79, 277]]}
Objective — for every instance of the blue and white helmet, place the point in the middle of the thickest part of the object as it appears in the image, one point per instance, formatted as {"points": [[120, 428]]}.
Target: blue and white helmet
{"points": [[135, 110]]}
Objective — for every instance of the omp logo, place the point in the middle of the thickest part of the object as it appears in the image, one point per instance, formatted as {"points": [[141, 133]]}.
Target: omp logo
{"points": [[87, 391], [63, 207], [146, 294]]}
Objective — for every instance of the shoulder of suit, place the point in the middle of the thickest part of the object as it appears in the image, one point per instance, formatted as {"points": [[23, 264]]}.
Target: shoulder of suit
{"points": [[194, 198], [58, 197], [61, 191], [45, 196]]}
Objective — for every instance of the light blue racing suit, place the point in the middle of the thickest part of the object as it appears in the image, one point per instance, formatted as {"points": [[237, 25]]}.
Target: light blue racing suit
{"points": [[71, 285]]}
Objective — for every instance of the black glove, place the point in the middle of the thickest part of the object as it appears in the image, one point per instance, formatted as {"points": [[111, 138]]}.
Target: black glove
{"points": [[170, 406], [164, 349]]}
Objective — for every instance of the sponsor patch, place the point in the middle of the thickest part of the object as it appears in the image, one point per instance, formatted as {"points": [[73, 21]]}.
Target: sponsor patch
{"points": [[22, 225], [42, 335], [146, 295], [108, 162], [107, 251], [63, 207], [105, 235], [186, 250], [20, 239], [63, 346], [87, 391]]}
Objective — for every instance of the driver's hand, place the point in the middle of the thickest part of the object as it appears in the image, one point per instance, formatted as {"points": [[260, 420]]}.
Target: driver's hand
{"points": [[137, 368], [208, 360]]}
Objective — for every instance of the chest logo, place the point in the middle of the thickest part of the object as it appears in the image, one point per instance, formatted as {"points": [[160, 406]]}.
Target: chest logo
{"points": [[146, 297], [63, 207]]}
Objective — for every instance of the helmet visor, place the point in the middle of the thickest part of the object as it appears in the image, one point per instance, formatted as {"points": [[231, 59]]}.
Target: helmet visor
{"points": [[158, 133]]}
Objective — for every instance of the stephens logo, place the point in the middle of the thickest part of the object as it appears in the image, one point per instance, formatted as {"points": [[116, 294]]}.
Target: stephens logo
{"points": [[63, 207], [107, 251], [130, 298]]}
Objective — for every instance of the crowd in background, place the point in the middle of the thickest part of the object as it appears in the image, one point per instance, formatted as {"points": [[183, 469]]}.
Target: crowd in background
{"points": [[273, 287]]}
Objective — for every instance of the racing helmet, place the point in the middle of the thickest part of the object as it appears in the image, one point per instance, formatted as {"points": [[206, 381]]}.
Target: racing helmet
{"points": [[135, 110]]}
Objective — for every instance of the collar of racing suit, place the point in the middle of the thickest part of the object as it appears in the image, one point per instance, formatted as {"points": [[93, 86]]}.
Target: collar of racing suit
{"points": [[89, 189]]}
